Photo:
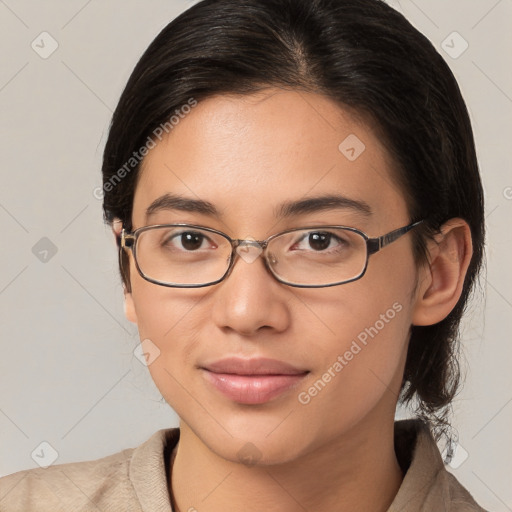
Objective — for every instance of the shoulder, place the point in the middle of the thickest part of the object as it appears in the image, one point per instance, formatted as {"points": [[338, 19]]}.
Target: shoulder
{"points": [[100, 484], [460, 498], [74, 484], [427, 484]]}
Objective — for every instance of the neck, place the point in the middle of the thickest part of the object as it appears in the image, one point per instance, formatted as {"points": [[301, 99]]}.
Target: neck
{"points": [[358, 471]]}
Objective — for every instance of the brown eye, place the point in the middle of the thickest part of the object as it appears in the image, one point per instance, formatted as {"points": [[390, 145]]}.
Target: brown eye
{"points": [[191, 241], [187, 241], [319, 241]]}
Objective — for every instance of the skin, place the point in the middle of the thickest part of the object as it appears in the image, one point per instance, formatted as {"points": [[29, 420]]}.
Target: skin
{"points": [[246, 155]]}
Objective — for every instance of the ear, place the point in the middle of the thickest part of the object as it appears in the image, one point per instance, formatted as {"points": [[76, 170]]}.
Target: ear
{"points": [[442, 279], [129, 306]]}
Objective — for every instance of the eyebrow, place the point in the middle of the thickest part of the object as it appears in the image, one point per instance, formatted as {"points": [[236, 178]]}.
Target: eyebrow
{"points": [[181, 203], [322, 203], [285, 210]]}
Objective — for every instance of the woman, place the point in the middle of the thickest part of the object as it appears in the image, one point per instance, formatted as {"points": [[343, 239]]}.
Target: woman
{"points": [[295, 194]]}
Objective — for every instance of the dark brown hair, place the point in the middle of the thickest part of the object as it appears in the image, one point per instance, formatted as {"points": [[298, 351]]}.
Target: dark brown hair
{"points": [[368, 58]]}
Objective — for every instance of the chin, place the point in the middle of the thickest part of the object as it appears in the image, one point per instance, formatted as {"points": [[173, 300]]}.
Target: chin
{"points": [[256, 442], [258, 452]]}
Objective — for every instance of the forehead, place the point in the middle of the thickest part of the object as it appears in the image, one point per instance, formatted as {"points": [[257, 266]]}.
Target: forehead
{"points": [[248, 154]]}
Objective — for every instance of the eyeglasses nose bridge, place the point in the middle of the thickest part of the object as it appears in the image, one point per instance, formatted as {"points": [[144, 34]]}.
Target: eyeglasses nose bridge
{"points": [[249, 249]]}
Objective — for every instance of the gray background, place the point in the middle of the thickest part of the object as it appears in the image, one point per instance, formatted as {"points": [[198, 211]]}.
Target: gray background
{"points": [[68, 373]]}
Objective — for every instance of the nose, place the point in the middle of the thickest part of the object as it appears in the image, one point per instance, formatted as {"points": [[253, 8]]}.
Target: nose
{"points": [[249, 298]]}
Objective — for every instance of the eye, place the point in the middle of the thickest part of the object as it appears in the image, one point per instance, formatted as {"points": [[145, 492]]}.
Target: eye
{"points": [[319, 241], [188, 241]]}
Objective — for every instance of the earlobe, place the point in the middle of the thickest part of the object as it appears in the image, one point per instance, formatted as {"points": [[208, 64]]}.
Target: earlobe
{"points": [[129, 307], [441, 288], [117, 225]]}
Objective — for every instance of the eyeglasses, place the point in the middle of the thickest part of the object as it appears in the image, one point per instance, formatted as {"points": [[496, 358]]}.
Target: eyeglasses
{"points": [[190, 256]]}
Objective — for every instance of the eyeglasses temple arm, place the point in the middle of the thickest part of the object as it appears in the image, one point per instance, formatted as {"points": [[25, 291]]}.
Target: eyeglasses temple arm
{"points": [[376, 244]]}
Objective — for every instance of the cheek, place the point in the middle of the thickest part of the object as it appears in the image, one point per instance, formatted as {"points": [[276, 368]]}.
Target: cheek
{"points": [[358, 372], [358, 327], [162, 311], [173, 322], [379, 305], [172, 319], [360, 357]]}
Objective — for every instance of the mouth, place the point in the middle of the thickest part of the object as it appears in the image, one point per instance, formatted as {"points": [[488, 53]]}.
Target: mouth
{"points": [[252, 381]]}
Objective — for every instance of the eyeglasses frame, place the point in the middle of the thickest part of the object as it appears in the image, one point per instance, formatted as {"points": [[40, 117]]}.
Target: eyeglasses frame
{"points": [[373, 245]]}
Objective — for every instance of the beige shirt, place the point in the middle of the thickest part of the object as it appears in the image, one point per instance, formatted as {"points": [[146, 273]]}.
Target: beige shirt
{"points": [[135, 480]]}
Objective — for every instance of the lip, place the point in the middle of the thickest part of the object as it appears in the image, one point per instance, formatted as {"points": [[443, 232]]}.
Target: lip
{"points": [[252, 381], [254, 366]]}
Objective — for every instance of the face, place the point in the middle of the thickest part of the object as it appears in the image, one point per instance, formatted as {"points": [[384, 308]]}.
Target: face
{"points": [[247, 156]]}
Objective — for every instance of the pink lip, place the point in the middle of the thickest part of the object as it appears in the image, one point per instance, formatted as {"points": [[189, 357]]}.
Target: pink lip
{"points": [[252, 381], [255, 366]]}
